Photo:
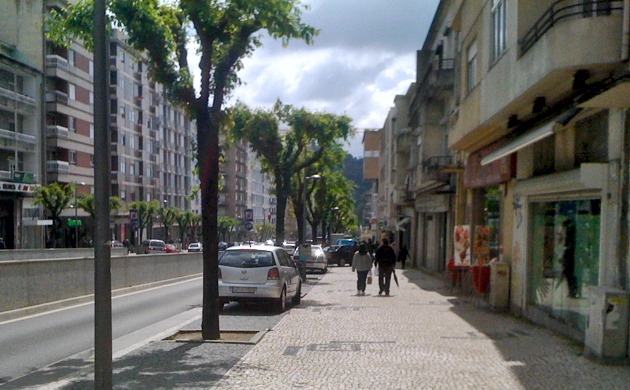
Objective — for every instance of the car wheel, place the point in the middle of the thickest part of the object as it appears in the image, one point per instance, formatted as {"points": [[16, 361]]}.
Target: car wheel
{"points": [[281, 303], [298, 295]]}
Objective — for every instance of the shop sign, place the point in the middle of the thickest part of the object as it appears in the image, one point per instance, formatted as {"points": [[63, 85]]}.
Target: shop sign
{"points": [[493, 174]]}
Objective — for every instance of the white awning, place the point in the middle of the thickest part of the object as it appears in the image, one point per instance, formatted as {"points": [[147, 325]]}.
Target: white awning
{"points": [[520, 142], [403, 221], [534, 135]]}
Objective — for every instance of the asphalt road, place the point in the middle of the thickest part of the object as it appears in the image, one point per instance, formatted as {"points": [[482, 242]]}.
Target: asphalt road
{"points": [[29, 343], [46, 347]]}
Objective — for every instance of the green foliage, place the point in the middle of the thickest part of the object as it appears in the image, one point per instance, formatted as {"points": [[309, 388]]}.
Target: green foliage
{"points": [[146, 213], [86, 202], [54, 198], [184, 220], [310, 138], [225, 226]]}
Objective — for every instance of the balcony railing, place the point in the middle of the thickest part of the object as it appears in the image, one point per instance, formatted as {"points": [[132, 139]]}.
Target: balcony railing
{"points": [[564, 10], [17, 101], [433, 168], [56, 131], [55, 61], [57, 97], [56, 166]]}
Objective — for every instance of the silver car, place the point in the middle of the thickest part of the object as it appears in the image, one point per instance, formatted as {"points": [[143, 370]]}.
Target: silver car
{"points": [[258, 273], [317, 260]]}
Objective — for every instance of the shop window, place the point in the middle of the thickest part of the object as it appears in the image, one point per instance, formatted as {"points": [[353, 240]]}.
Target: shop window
{"points": [[591, 139], [565, 258]]}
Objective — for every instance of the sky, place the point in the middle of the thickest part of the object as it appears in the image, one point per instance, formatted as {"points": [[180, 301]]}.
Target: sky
{"points": [[363, 57]]}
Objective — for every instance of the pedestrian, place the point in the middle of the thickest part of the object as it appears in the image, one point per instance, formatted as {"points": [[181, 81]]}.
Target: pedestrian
{"points": [[386, 261], [362, 264], [402, 256]]}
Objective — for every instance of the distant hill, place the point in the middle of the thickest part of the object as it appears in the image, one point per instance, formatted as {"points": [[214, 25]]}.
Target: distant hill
{"points": [[353, 170]]}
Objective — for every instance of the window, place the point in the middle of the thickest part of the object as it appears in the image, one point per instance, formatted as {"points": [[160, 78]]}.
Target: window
{"points": [[498, 28], [123, 194], [91, 130], [123, 167], [471, 66], [71, 57], [73, 157], [72, 92], [72, 124]]}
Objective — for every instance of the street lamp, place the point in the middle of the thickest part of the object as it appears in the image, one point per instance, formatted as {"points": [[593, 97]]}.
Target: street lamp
{"points": [[330, 220], [76, 223], [163, 218], [304, 224]]}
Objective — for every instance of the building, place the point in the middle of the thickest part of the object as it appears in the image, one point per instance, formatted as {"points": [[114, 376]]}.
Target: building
{"points": [[21, 122]]}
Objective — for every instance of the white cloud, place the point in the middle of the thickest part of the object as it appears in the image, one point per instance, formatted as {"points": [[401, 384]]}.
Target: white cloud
{"points": [[364, 56]]}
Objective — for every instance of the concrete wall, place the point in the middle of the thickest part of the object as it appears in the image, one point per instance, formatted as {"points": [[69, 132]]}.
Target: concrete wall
{"points": [[61, 253], [25, 283]]}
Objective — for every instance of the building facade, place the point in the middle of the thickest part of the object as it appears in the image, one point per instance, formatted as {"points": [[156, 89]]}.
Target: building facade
{"points": [[21, 122]]}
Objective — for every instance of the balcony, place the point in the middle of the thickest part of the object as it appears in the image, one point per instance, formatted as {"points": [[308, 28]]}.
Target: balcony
{"points": [[433, 168], [56, 166], [12, 140], [56, 62], [16, 101], [564, 11], [57, 97], [55, 131]]}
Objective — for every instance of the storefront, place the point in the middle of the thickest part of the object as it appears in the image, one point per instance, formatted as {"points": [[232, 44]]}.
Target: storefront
{"points": [[565, 257]]}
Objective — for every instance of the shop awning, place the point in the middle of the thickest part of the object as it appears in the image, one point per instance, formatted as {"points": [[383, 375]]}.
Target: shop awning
{"points": [[518, 143], [404, 221], [532, 136]]}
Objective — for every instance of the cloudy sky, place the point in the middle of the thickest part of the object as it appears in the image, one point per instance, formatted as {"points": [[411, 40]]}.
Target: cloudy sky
{"points": [[363, 57]]}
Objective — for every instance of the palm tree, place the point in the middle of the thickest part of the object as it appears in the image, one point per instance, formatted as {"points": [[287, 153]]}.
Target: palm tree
{"points": [[54, 197]]}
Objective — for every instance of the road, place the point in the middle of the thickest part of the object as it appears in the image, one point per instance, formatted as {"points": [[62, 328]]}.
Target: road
{"points": [[65, 337], [40, 340]]}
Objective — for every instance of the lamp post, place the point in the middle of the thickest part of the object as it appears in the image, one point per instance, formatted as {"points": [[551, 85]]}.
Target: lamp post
{"points": [[330, 221], [76, 223], [304, 224], [164, 218]]}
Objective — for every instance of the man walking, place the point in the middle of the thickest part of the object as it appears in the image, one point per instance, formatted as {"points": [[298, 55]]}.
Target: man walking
{"points": [[385, 259]]}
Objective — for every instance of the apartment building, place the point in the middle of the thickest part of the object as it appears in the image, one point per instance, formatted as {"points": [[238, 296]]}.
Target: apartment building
{"points": [[371, 156], [514, 150], [151, 139], [260, 201], [21, 122]]}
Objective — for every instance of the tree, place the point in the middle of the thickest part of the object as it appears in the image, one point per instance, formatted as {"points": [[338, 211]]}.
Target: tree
{"points": [[146, 212], [169, 215], [86, 202], [226, 225], [54, 198], [184, 220], [226, 31], [284, 154]]}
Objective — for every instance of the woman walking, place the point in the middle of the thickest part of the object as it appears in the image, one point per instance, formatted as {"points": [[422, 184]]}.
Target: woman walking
{"points": [[362, 263]]}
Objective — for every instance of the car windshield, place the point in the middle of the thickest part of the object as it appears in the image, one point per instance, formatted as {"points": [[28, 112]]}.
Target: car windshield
{"points": [[247, 259]]}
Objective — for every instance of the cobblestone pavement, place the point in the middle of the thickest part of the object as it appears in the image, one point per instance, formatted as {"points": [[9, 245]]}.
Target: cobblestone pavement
{"points": [[421, 337]]}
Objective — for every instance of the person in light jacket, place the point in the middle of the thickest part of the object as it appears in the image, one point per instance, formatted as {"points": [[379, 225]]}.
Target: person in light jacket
{"points": [[362, 263]]}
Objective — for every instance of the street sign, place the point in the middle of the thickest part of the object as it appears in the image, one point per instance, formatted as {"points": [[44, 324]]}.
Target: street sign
{"points": [[249, 215], [249, 225]]}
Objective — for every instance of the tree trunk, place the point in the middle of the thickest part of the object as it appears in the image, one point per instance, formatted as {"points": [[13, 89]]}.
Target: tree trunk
{"points": [[208, 157], [281, 208]]}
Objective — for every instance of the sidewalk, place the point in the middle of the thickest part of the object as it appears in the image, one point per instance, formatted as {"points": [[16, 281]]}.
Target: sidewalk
{"points": [[421, 337]]}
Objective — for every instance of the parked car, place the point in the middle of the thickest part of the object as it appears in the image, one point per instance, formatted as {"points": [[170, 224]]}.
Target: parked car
{"points": [[317, 260], [195, 247], [289, 246], [170, 248], [152, 246], [117, 244], [340, 254], [258, 273]]}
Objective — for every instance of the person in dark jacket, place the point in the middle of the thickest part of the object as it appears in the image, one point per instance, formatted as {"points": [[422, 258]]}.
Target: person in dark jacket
{"points": [[385, 259]]}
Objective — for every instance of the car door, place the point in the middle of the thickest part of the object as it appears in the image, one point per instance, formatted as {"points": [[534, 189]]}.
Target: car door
{"points": [[289, 272]]}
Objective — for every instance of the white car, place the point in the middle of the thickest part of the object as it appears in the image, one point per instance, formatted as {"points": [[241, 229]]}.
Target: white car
{"points": [[317, 260], [258, 273], [195, 247]]}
